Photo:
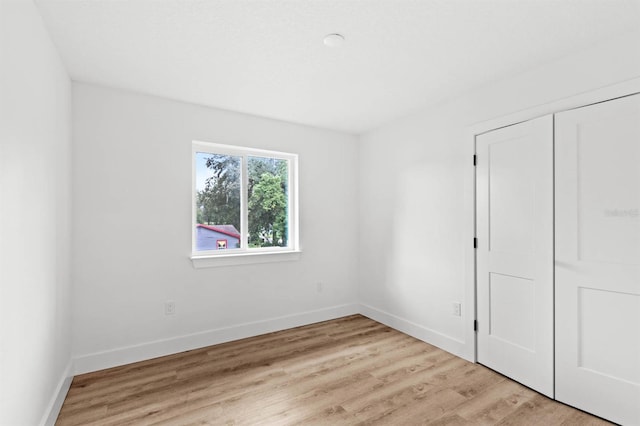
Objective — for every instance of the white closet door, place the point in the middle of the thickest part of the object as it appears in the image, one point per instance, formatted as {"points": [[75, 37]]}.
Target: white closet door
{"points": [[598, 259], [514, 202]]}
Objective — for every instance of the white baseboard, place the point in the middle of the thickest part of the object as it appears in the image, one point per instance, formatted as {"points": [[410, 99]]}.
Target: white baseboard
{"points": [[53, 408], [127, 355], [447, 343]]}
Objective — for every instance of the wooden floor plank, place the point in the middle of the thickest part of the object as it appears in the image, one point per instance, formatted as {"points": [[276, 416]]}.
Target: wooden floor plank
{"points": [[343, 372], [495, 403]]}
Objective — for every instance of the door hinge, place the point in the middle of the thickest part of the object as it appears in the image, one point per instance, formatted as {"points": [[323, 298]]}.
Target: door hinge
{"points": [[475, 325], [475, 160], [475, 243]]}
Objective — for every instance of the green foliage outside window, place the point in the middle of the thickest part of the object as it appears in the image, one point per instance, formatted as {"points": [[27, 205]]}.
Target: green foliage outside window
{"points": [[219, 201]]}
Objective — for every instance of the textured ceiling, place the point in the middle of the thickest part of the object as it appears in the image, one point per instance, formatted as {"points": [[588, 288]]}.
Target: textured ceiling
{"points": [[266, 57]]}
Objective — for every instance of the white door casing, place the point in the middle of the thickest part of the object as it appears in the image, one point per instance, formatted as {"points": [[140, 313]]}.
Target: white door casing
{"points": [[514, 223], [598, 259]]}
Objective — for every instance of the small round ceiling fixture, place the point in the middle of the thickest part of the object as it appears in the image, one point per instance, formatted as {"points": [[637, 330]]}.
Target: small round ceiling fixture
{"points": [[334, 40]]}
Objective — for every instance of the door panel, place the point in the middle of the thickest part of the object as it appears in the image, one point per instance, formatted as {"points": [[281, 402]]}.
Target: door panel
{"points": [[598, 259], [511, 311], [514, 178], [511, 195], [595, 333]]}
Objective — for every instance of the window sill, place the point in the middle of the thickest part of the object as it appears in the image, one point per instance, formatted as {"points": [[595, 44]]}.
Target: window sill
{"points": [[244, 259]]}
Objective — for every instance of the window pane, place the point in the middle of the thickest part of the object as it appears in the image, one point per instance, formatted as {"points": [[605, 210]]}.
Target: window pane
{"points": [[217, 201], [267, 202]]}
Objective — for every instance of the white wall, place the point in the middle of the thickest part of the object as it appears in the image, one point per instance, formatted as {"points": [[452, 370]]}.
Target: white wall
{"points": [[35, 139], [416, 181], [132, 230]]}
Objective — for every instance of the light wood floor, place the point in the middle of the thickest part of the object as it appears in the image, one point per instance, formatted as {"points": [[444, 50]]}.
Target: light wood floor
{"points": [[347, 371]]}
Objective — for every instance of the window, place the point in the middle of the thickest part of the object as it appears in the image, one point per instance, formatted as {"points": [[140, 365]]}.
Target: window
{"points": [[244, 201]]}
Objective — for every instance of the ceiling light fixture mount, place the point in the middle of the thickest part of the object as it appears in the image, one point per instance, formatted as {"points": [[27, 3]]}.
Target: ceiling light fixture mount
{"points": [[334, 40]]}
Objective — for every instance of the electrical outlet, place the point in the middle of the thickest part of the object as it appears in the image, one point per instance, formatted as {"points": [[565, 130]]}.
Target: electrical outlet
{"points": [[169, 307], [457, 309]]}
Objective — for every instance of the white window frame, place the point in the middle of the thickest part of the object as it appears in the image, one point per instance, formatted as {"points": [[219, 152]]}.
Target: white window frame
{"points": [[244, 254]]}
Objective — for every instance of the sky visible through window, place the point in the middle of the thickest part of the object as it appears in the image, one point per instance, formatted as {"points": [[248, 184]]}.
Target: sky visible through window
{"points": [[202, 172]]}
